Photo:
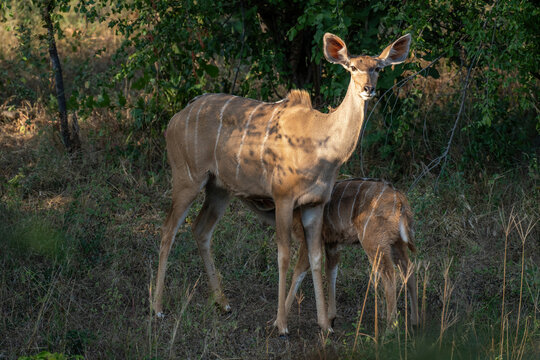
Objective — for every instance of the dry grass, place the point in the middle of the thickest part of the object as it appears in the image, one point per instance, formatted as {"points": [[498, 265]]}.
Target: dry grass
{"points": [[87, 291]]}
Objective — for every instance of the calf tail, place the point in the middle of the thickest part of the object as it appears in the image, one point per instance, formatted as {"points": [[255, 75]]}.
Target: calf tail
{"points": [[406, 230]]}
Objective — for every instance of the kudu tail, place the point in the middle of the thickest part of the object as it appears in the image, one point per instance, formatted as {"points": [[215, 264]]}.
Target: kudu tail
{"points": [[406, 230]]}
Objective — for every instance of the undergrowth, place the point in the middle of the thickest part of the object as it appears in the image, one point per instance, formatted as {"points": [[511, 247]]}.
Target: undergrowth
{"points": [[79, 250]]}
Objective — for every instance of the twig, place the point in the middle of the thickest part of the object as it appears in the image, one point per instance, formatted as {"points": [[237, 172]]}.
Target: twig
{"points": [[374, 267], [509, 225], [435, 162], [399, 85], [189, 296]]}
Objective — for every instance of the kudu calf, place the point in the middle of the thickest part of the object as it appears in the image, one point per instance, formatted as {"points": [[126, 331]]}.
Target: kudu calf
{"points": [[284, 155], [372, 214]]}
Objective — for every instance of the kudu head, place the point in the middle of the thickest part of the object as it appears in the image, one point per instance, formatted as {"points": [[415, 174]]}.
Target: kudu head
{"points": [[365, 69]]}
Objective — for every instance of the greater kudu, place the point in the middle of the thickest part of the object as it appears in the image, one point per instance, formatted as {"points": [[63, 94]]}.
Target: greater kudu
{"points": [[285, 154]]}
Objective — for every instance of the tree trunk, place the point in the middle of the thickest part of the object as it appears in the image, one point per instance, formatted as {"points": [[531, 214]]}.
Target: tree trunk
{"points": [[69, 142]]}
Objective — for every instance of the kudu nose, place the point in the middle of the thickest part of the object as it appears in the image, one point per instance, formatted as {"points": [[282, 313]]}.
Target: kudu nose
{"points": [[369, 89]]}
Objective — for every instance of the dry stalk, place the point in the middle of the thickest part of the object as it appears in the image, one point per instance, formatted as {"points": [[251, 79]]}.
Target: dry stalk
{"points": [[150, 310], [374, 266], [66, 317], [43, 307], [404, 280], [447, 318], [299, 298], [323, 339], [523, 235], [521, 349], [424, 289], [376, 317], [507, 228], [189, 296]]}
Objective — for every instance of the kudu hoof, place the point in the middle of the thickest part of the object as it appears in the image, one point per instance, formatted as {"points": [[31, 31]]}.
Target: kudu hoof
{"points": [[283, 331], [160, 315], [224, 308]]}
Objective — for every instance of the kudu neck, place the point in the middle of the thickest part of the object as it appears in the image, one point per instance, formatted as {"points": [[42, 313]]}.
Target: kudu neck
{"points": [[346, 122]]}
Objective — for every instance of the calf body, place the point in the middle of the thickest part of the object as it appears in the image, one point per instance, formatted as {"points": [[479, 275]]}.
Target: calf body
{"points": [[375, 215]]}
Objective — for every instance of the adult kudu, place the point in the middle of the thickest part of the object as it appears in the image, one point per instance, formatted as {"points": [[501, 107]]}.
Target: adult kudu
{"points": [[284, 155]]}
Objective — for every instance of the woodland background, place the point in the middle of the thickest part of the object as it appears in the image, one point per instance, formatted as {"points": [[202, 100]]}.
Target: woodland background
{"points": [[83, 195]]}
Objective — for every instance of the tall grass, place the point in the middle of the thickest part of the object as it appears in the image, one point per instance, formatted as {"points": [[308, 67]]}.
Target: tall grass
{"points": [[75, 260]]}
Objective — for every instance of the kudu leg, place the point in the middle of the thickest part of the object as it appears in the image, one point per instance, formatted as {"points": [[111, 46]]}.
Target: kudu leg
{"points": [[332, 262], [388, 277], [312, 218], [284, 214], [182, 199], [408, 270], [214, 206]]}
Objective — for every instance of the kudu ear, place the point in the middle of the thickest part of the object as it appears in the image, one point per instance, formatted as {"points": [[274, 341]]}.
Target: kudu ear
{"points": [[397, 52], [335, 50]]}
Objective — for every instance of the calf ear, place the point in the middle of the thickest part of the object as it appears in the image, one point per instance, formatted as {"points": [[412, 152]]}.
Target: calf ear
{"points": [[335, 50], [397, 52]]}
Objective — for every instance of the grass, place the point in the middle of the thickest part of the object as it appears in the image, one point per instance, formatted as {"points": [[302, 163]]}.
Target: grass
{"points": [[80, 246]]}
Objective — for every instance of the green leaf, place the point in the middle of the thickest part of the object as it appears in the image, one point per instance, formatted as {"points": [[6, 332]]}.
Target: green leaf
{"points": [[141, 82], [103, 100], [72, 103], [121, 100], [211, 70], [434, 73]]}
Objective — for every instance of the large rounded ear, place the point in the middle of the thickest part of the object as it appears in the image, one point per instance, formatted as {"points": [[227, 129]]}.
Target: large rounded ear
{"points": [[335, 50], [397, 52]]}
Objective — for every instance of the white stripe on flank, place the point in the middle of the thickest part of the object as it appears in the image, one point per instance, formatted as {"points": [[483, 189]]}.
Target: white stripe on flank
{"points": [[365, 195], [372, 210], [187, 142], [196, 132], [339, 204], [354, 202], [189, 172], [263, 145], [239, 154], [219, 132]]}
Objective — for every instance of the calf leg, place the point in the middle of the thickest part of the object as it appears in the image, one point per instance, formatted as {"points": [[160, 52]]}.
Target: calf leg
{"points": [[402, 259], [332, 262], [300, 271], [389, 282]]}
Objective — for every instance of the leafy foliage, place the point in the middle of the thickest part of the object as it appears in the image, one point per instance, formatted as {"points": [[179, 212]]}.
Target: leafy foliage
{"points": [[172, 51]]}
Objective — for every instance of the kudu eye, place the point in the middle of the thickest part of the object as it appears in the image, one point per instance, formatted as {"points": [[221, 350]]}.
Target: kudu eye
{"points": [[377, 69]]}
